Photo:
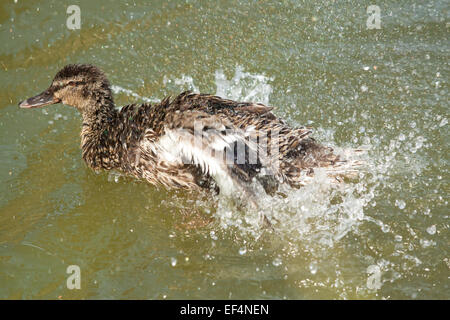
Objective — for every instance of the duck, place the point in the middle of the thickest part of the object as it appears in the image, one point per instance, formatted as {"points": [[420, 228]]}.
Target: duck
{"points": [[193, 141]]}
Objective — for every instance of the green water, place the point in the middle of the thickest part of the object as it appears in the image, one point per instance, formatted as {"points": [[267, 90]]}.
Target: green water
{"points": [[384, 235]]}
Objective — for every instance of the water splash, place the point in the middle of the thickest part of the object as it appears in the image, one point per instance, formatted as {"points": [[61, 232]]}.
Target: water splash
{"points": [[186, 82], [119, 90], [320, 212], [317, 217], [243, 86]]}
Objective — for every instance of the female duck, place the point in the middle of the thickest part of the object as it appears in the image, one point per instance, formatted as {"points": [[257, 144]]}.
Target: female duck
{"points": [[193, 141]]}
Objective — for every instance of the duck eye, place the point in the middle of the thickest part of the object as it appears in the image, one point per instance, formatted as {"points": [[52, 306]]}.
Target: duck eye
{"points": [[72, 83]]}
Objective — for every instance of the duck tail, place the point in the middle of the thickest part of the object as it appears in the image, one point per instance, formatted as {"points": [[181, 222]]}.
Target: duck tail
{"points": [[337, 166], [348, 164]]}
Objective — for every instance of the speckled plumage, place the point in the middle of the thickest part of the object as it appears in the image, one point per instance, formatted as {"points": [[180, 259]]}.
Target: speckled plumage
{"points": [[154, 142]]}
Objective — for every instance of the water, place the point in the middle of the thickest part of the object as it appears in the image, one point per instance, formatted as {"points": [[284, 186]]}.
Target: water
{"points": [[382, 235]]}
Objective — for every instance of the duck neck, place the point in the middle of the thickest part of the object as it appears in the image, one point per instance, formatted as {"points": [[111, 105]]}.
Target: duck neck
{"points": [[99, 137]]}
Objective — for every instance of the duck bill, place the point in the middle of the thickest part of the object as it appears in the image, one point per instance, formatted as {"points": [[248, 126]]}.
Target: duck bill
{"points": [[43, 99]]}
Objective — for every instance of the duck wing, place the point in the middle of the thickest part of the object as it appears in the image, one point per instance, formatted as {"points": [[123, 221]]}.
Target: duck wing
{"points": [[213, 104], [214, 145]]}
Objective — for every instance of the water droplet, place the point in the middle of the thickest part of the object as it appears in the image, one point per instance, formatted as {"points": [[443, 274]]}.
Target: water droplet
{"points": [[277, 262], [432, 229], [426, 243], [313, 267], [173, 262], [400, 204]]}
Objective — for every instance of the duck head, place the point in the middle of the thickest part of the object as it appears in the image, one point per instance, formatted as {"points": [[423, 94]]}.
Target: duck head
{"points": [[82, 86]]}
